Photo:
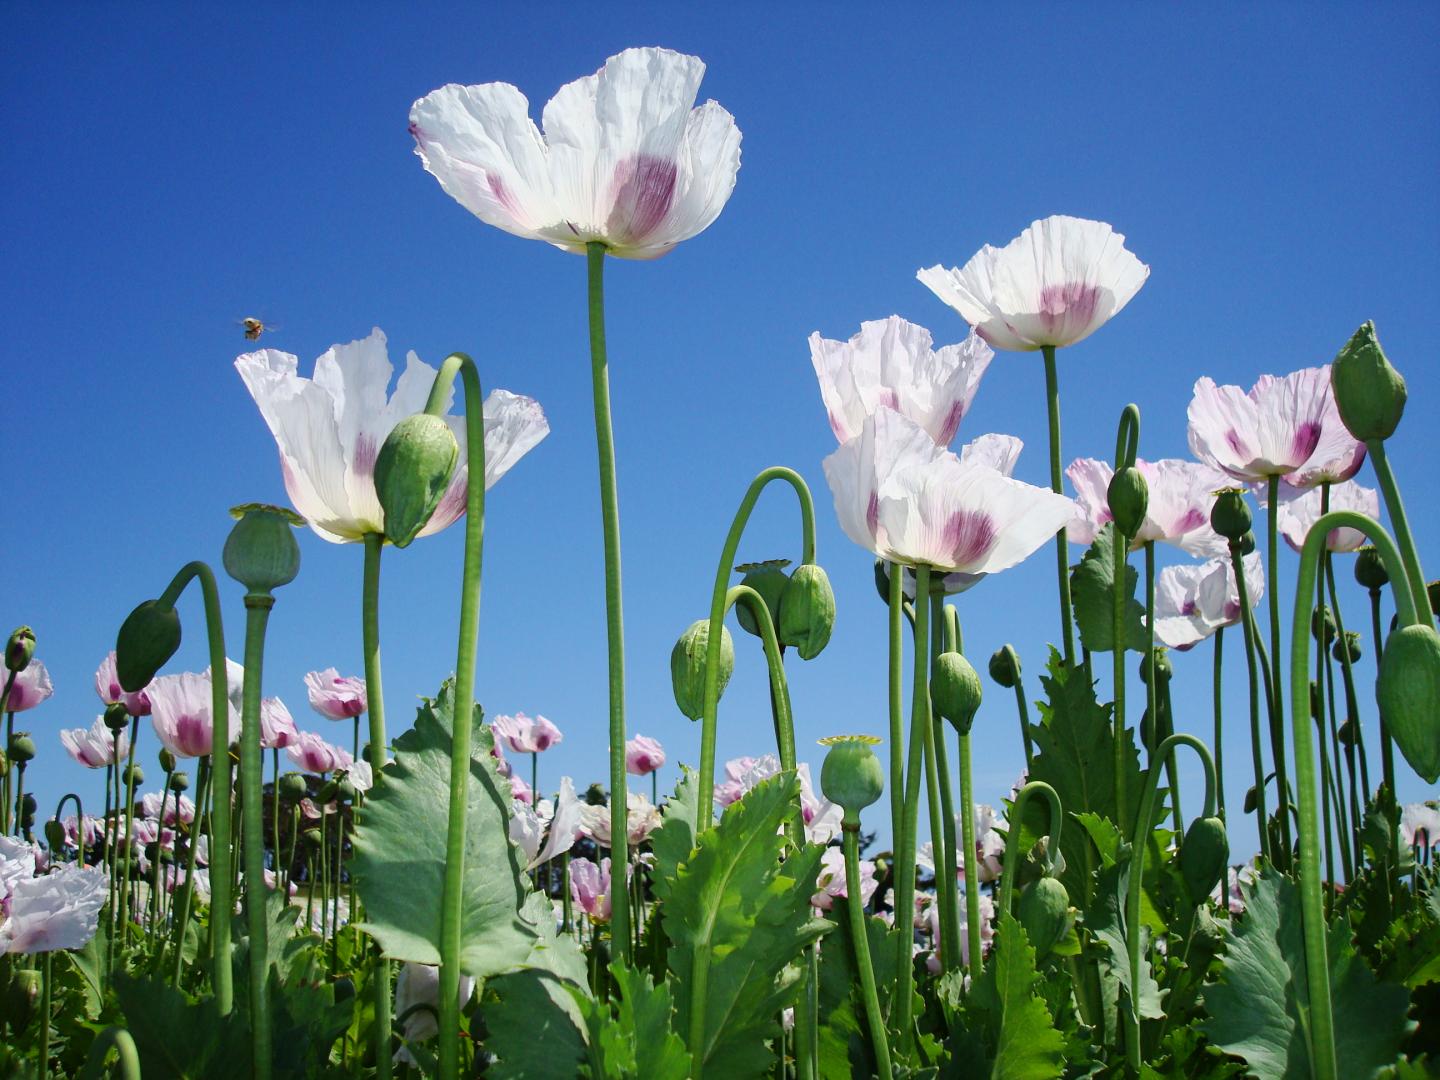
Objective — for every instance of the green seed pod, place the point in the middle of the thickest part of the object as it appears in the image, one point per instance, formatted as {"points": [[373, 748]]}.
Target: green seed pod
{"points": [[807, 611], [116, 718], [1370, 569], [54, 835], [852, 776], [1348, 648], [1408, 691], [167, 761], [1203, 857], [1230, 516], [1247, 543], [1044, 911], [19, 649], [293, 787], [28, 806], [1005, 666], [1369, 392], [179, 782], [133, 774], [147, 640], [955, 690], [261, 552], [769, 580], [1158, 659], [1322, 620], [1129, 498], [22, 748], [687, 667], [412, 471]]}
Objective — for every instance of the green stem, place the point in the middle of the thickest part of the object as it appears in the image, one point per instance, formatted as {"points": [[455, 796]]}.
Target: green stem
{"points": [[187, 890], [1117, 655], [905, 860], [1062, 538], [1404, 540], [275, 813], [972, 868], [379, 754], [46, 979], [119, 1039], [896, 699], [1219, 726], [1387, 746], [860, 937], [1024, 712], [1013, 854], [943, 856], [949, 618], [1277, 713], [129, 825], [252, 824]]}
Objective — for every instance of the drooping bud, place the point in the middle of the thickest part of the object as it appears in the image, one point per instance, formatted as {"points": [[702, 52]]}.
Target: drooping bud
{"points": [[955, 690], [1158, 659], [116, 718], [311, 837], [768, 579], [21, 748], [19, 649], [1408, 691], [1230, 516], [687, 667], [412, 471], [54, 836], [1129, 498], [293, 787], [1203, 857], [1250, 799], [1369, 392], [1346, 734], [807, 611], [24, 994], [882, 580], [1044, 912], [28, 806], [147, 640], [1247, 543], [1321, 621], [1347, 648], [133, 774], [1005, 666], [179, 782], [261, 552], [852, 776], [345, 789], [167, 761], [1370, 569]]}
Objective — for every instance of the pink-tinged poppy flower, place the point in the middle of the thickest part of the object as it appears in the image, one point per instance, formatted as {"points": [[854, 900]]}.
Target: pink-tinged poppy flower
{"points": [[107, 685], [1337, 456], [361, 775], [81, 832], [910, 501], [1237, 878], [30, 688], [277, 726], [641, 819], [1276, 429], [151, 801], [57, 910], [566, 824], [527, 830], [313, 754], [1420, 824], [989, 847], [419, 985], [892, 364], [180, 712], [930, 923], [335, 696], [590, 887], [643, 755], [625, 158], [831, 881], [1194, 600], [1181, 494], [821, 817], [521, 734], [1055, 284], [1299, 511], [329, 430], [95, 747], [520, 791]]}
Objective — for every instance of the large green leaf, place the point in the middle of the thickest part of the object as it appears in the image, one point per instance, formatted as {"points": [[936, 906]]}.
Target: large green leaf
{"points": [[1025, 1044], [736, 904], [845, 1038], [674, 840], [399, 861], [533, 1026], [179, 1036], [1092, 588], [630, 1035], [1105, 919], [1259, 1009]]}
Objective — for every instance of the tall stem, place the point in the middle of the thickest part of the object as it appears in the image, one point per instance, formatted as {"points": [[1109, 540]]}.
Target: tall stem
{"points": [[1062, 538], [257, 615], [1257, 754], [1387, 746], [905, 859], [1404, 540], [129, 825], [1005, 903], [187, 894], [1277, 713], [1117, 655], [896, 700], [47, 978], [943, 857], [1219, 726], [379, 754], [950, 618], [858, 934]]}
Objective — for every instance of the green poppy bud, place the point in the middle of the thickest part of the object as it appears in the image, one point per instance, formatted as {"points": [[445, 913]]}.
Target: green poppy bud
{"points": [[344, 989], [327, 792], [412, 471], [807, 611], [1432, 593], [133, 774], [116, 717], [1005, 666], [955, 690], [1250, 799], [1347, 648], [344, 789], [179, 782], [1159, 660], [882, 580], [24, 993], [19, 649], [147, 640], [1044, 912], [1203, 857], [1346, 734], [167, 761], [28, 806], [1129, 498], [22, 748], [1369, 392], [1370, 569], [54, 835], [293, 787], [852, 776], [687, 667], [1247, 543], [311, 837], [769, 580], [1322, 621], [261, 552], [1230, 516], [1408, 691]]}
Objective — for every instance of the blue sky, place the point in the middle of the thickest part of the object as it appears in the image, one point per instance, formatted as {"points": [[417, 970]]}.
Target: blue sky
{"points": [[172, 171]]}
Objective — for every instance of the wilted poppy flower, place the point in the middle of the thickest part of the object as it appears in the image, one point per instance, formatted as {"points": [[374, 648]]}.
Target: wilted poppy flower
{"points": [[625, 158], [30, 688], [107, 685], [329, 430], [1055, 284], [313, 754], [523, 735], [643, 755], [1299, 511], [336, 696], [1194, 600], [180, 712], [1181, 494], [892, 364], [96, 746]]}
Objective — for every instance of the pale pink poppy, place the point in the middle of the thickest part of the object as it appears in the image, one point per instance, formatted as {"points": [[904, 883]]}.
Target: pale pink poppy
{"points": [[566, 824], [336, 696], [107, 685], [419, 984], [1193, 600], [1181, 494], [590, 887], [277, 726], [1420, 824], [180, 713], [313, 754], [49, 912], [30, 688], [95, 747], [522, 734], [1298, 511], [643, 755], [831, 881]]}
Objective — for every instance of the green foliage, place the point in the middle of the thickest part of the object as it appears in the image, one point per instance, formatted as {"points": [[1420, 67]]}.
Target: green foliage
{"points": [[534, 1027], [735, 906], [1092, 588], [674, 840], [1258, 1007], [844, 1035], [1021, 1039], [630, 1035], [1105, 919], [179, 1036]]}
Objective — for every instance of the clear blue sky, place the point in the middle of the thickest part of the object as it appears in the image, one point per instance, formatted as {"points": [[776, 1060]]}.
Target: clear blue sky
{"points": [[170, 170]]}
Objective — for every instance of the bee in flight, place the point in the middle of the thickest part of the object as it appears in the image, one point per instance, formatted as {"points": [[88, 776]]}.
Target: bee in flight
{"points": [[254, 327]]}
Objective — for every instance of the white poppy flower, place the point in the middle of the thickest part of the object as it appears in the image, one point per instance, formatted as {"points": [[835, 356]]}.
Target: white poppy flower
{"points": [[330, 428], [625, 158], [1181, 494], [1274, 430], [1055, 284], [1299, 511], [1194, 600]]}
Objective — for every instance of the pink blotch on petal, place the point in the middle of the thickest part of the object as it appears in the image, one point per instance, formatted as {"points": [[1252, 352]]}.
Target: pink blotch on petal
{"points": [[1073, 302], [968, 536]]}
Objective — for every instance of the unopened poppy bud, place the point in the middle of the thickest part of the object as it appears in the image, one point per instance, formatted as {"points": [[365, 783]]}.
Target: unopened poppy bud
{"points": [[412, 471], [1250, 799], [293, 787], [955, 690], [1246, 543], [1369, 392], [687, 667], [1346, 734], [54, 835], [261, 552], [19, 649], [1129, 498], [344, 989], [345, 789], [327, 792], [1347, 648], [1044, 912], [133, 774], [1408, 691], [21, 748], [1230, 516], [852, 776], [1432, 593], [147, 640], [1370, 570], [882, 580], [1321, 621], [1203, 857], [116, 718], [1317, 707], [28, 806], [1005, 666], [179, 782], [807, 611], [768, 579], [1159, 660], [311, 837], [24, 992], [167, 760]]}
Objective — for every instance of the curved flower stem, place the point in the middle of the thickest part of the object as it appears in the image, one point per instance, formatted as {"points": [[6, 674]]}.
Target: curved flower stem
{"points": [[80, 819], [129, 825], [119, 1039], [1404, 540], [222, 781], [1013, 854], [706, 779], [252, 824], [1387, 746], [1317, 967], [1062, 538], [1277, 711], [897, 704], [905, 857], [1219, 726], [1144, 822], [1325, 711], [187, 893], [858, 934], [453, 896]]}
